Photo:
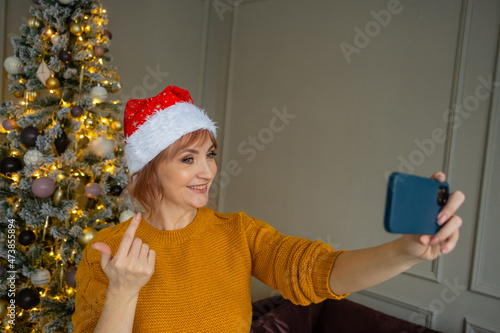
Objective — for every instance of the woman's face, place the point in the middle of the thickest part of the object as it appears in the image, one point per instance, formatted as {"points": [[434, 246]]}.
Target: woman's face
{"points": [[186, 178]]}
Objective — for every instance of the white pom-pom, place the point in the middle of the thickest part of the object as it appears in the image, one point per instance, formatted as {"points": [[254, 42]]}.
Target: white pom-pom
{"points": [[13, 65], [126, 214], [33, 157]]}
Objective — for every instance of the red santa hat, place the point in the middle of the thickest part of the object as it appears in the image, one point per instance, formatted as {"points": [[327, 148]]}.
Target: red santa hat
{"points": [[154, 123]]}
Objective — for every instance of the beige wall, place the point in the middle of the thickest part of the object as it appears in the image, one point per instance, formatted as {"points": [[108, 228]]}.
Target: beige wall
{"points": [[308, 136]]}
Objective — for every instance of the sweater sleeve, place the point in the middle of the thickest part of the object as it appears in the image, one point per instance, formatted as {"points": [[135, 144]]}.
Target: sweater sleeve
{"points": [[92, 286], [298, 268]]}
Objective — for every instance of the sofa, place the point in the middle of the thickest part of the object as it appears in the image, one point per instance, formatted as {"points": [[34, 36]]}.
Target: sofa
{"points": [[277, 315]]}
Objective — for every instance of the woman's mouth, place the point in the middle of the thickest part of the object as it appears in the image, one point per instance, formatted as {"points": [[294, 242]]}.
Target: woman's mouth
{"points": [[199, 188]]}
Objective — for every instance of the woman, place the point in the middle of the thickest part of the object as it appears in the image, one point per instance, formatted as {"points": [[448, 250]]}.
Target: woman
{"points": [[182, 267]]}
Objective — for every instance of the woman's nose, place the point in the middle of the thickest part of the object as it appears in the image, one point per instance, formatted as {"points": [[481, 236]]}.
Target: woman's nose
{"points": [[207, 169]]}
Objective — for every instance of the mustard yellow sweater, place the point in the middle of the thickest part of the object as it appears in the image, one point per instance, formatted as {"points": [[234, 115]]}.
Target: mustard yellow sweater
{"points": [[202, 274]]}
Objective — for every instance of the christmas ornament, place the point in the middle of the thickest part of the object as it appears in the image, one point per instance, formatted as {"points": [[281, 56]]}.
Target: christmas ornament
{"points": [[108, 34], [57, 197], [116, 190], [76, 29], [3, 270], [65, 2], [9, 124], [72, 253], [33, 23], [3, 309], [61, 142], [40, 277], [92, 190], [43, 72], [126, 215], [47, 32], [30, 95], [70, 277], [89, 122], [33, 157], [153, 124], [55, 39], [117, 125], [98, 50], [45, 227], [43, 187], [102, 146], [88, 234], [98, 94], [10, 165], [17, 94], [13, 65], [76, 111], [65, 56], [52, 83], [27, 298], [16, 207], [29, 136], [26, 237]]}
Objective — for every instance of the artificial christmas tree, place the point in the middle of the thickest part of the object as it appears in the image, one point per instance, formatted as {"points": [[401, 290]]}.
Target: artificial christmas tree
{"points": [[62, 169]]}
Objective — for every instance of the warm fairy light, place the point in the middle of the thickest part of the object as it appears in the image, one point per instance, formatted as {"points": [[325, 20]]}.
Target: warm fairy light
{"points": [[100, 61], [86, 17], [74, 212], [106, 82], [82, 174], [14, 153], [116, 102], [80, 38], [104, 10], [37, 175], [96, 101], [23, 103], [21, 313], [51, 91], [21, 80], [15, 178], [100, 207], [91, 70], [76, 174], [65, 240], [53, 168], [60, 177], [82, 136], [51, 253], [104, 120]]}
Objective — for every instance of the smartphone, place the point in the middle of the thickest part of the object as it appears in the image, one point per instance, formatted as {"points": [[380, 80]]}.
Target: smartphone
{"points": [[413, 204]]}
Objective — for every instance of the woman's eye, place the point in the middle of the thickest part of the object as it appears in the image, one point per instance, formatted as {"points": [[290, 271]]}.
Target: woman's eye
{"points": [[188, 160], [212, 154]]}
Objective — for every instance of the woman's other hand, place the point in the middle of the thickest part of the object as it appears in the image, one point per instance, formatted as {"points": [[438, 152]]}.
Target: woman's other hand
{"points": [[429, 247], [132, 266]]}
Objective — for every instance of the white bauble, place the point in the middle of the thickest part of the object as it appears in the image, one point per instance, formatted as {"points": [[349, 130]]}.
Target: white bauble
{"points": [[65, 2], [102, 146], [99, 93], [55, 39], [13, 65], [40, 277], [33, 157], [126, 214]]}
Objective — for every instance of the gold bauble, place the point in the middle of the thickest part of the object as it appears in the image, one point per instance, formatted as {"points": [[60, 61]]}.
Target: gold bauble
{"points": [[33, 23], [16, 207], [117, 125], [57, 196], [17, 94], [52, 83], [3, 308], [31, 95], [76, 29], [88, 234], [89, 122]]}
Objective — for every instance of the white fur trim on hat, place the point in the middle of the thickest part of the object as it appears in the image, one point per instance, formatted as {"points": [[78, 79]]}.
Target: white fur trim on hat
{"points": [[161, 130]]}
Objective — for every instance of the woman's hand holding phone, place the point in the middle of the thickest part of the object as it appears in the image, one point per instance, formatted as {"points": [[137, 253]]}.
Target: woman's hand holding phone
{"points": [[429, 247]]}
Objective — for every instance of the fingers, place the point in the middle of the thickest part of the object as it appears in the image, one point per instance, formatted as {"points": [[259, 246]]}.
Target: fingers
{"points": [[455, 200], [128, 237], [447, 236], [439, 176], [105, 252]]}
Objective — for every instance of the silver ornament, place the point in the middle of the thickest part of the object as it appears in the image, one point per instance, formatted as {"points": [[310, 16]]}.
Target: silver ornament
{"points": [[33, 157], [126, 214], [40, 277], [13, 65], [99, 94]]}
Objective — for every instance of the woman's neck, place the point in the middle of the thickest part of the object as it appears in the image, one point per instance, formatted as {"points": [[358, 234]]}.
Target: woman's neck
{"points": [[170, 218]]}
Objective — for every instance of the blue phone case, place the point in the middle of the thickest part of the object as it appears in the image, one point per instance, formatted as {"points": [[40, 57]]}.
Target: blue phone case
{"points": [[412, 204]]}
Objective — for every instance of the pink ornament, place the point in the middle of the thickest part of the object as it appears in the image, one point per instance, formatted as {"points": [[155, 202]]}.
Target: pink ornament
{"points": [[92, 190], [43, 187], [9, 124]]}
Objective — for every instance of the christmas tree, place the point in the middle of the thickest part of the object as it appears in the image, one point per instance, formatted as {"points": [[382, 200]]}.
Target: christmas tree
{"points": [[62, 168]]}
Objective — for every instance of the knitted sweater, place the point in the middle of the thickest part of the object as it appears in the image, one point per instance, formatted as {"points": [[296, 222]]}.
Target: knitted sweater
{"points": [[202, 273]]}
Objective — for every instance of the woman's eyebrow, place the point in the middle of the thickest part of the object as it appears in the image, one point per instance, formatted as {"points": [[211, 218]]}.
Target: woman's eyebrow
{"points": [[194, 151]]}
